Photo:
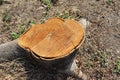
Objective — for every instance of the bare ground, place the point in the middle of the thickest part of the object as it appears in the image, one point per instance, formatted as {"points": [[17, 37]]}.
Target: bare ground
{"points": [[97, 57]]}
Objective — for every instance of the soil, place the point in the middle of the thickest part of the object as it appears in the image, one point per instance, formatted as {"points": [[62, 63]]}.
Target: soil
{"points": [[98, 55]]}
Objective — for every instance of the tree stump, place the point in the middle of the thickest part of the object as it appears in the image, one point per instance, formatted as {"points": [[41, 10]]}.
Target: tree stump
{"points": [[52, 44]]}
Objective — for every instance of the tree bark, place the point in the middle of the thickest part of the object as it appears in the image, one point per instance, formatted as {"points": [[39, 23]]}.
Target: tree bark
{"points": [[10, 51]]}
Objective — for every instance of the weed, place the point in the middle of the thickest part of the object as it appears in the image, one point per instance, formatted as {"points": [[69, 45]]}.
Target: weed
{"points": [[30, 23], [108, 1], [1, 2], [15, 35], [64, 15], [54, 1], [117, 67], [5, 17], [22, 29], [100, 58], [89, 65], [104, 62], [47, 3]]}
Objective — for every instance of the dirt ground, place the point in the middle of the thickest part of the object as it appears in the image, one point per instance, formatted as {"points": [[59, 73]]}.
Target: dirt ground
{"points": [[99, 56]]}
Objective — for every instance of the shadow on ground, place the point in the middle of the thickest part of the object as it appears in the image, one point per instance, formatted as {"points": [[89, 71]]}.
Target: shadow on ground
{"points": [[38, 72]]}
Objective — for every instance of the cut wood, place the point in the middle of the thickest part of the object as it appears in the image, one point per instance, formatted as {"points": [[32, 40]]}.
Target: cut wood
{"points": [[54, 39]]}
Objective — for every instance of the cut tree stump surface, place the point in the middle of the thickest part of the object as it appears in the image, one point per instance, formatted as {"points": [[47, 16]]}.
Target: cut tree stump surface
{"points": [[53, 39]]}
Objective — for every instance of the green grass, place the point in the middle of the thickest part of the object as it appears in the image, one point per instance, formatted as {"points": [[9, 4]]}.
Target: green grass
{"points": [[47, 3], [108, 1], [30, 23], [104, 62], [65, 15], [1, 2], [89, 65], [100, 58], [15, 35], [54, 1], [6, 17], [117, 67]]}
